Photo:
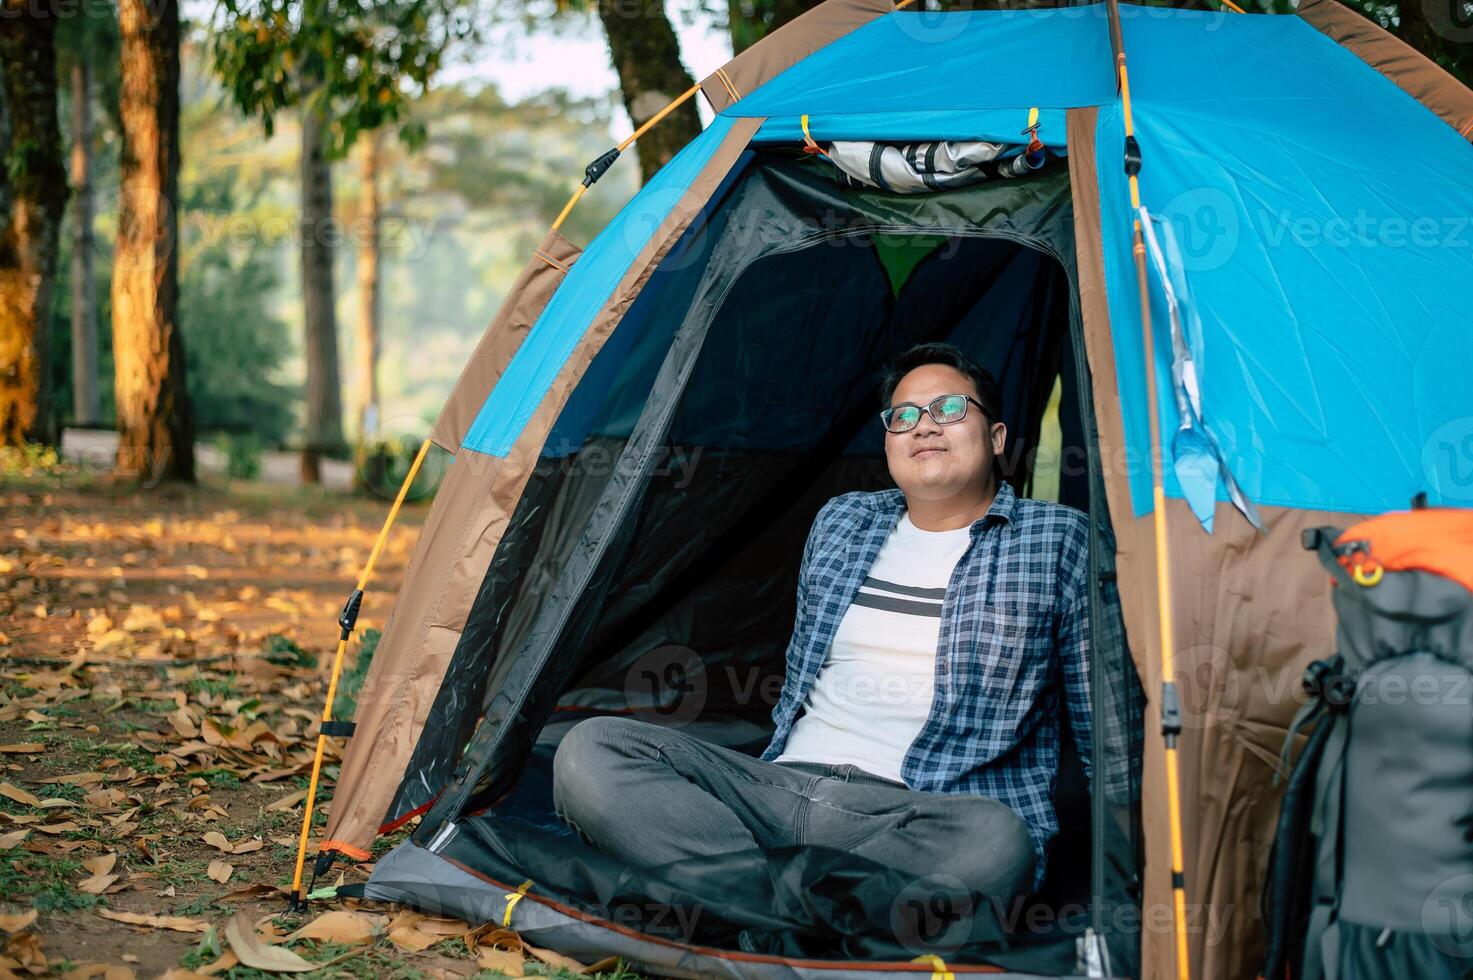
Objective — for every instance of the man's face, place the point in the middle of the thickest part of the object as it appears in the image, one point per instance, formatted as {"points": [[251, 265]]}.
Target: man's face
{"points": [[935, 462]]}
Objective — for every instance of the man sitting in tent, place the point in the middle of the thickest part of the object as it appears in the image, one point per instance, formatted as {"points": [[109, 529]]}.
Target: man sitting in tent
{"points": [[941, 629]]}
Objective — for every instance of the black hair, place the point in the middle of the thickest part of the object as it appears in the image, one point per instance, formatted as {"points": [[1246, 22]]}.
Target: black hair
{"points": [[988, 392]]}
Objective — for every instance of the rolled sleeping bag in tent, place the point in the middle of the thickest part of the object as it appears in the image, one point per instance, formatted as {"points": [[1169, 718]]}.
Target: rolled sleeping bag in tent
{"points": [[915, 168]]}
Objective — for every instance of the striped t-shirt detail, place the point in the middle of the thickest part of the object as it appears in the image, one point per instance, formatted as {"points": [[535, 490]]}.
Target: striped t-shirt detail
{"points": [[875, 688], [894, 597]]}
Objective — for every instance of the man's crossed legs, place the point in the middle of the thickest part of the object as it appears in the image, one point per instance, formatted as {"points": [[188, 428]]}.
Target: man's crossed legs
{"points": [[651, 795]]}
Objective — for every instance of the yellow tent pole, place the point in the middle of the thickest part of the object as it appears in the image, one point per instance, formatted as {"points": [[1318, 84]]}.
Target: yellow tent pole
{"points": [[346, 621], [1170, 704], [596, 168]]}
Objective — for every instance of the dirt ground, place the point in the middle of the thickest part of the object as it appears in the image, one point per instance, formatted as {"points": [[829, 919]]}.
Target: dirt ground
{"points": [[163, 660]]}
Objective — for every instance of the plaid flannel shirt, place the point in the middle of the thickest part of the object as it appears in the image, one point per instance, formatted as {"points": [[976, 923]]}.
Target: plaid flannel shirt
{"points": [[1014, 638]]}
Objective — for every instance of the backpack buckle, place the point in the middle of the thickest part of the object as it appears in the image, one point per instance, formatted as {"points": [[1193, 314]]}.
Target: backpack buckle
{"points": [[1324, 682]]}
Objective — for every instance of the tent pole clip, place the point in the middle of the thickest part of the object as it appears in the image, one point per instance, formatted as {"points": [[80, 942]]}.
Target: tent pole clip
{"points": [[1170, 713], [1132, 157], [348, 618], [597, 168]]}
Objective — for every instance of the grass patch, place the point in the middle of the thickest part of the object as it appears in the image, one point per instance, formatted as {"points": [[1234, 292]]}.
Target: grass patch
{"points": [[284, 652], [222, 687], [44, 881], [346, 704]]}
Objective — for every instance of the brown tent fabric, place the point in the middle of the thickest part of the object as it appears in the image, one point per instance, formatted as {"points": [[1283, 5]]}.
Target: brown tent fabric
{"points": [[1412, 71], [787, 46], [455, 548], [1240, 651], [519, 310]]}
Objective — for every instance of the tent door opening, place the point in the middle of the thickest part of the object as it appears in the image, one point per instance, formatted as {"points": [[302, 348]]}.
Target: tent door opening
{"points": [[717, 436]]}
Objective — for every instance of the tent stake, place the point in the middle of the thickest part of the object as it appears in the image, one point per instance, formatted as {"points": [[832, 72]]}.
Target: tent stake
{"points": [[347, 619], [1170, 705]]}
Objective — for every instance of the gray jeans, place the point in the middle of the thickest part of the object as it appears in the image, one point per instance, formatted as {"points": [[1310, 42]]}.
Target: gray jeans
{"points": [[650, 795]]}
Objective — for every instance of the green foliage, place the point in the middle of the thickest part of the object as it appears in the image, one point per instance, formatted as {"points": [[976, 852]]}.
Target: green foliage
{"points": [[284, 652], [233, 345], [43, 881], [93, 39], [384, 460], [242, 455], [366, 58], [481, 146], [219, 687], [30, 459]]}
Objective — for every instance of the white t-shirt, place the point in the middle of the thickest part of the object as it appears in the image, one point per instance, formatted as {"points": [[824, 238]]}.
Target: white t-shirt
{"points": [[874, 691]]}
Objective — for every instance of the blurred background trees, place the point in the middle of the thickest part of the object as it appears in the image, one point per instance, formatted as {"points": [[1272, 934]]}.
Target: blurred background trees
{"points": [[235, 217]]}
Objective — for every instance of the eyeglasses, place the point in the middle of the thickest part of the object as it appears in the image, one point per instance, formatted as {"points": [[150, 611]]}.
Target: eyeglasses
{"points": [[943, 411]]}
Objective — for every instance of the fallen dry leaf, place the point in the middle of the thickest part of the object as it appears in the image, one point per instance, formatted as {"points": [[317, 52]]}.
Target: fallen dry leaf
{"points": [[221, 843], [18, 921], [24, 951], [412, 940], [556, 959], [97, 884], [442, 927], [259, 955], [177, 923], [340, 926], [183, 723], [226, 961], [99, 971], [20, 748], [288, 802], [220, 871], [19, 795], [256, 890], [13, 839], [507, 961]]}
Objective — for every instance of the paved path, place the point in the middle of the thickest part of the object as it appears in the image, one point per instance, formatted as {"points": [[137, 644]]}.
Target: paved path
{"points": [[96, 448]]}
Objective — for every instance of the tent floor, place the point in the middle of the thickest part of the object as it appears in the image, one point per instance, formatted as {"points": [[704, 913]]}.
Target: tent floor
{"points": [[414, 876], [469, 872]]}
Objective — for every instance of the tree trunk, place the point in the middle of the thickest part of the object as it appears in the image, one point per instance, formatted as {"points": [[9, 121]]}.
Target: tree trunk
{"points": [[1441, 30], [369, 306], [154, 423], [324, 399], [86, 407], [749, 21], [29, 237], [646, 55]]}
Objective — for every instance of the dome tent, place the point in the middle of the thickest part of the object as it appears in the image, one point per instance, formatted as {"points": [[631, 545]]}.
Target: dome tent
{"points": [[646, 430]]}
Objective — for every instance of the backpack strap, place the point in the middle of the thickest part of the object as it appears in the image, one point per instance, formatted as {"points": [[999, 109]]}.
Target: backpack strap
{"points": [[1322, 938], [1321, 540]]}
